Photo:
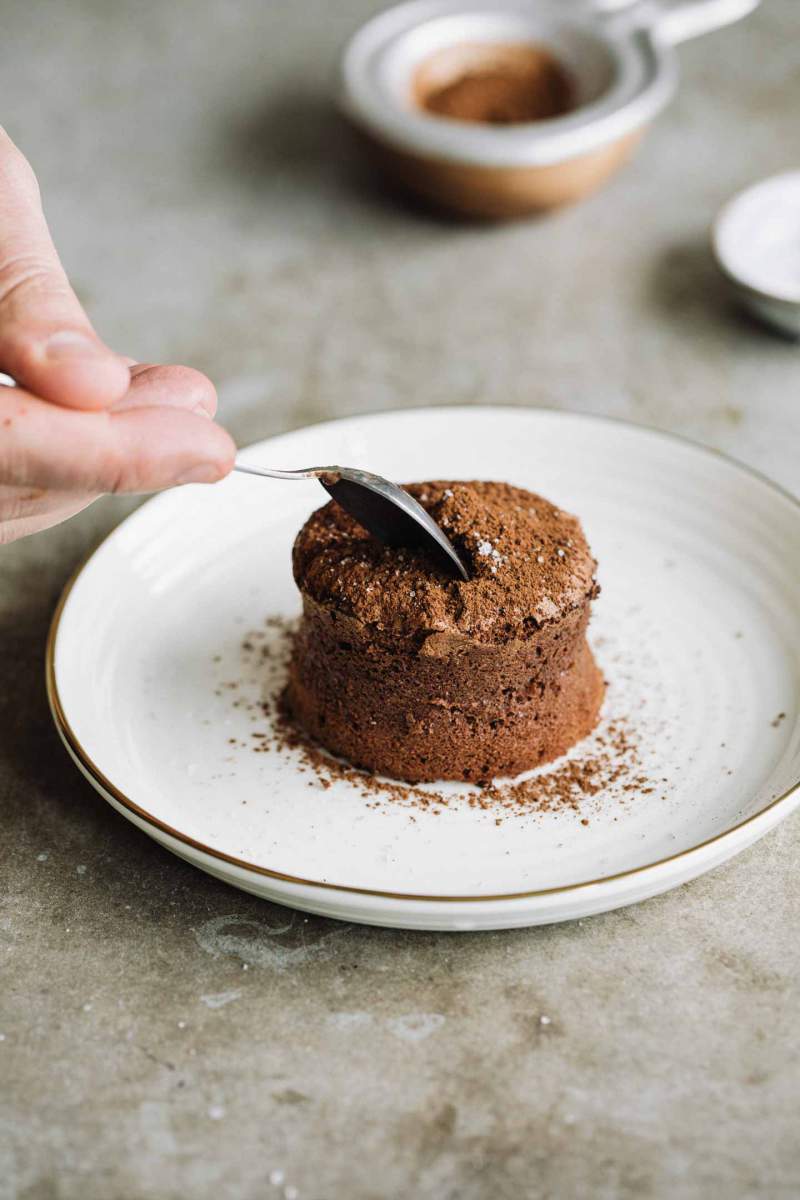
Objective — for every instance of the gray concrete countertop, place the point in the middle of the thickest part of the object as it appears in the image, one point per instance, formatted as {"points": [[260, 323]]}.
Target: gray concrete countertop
{"points": [[205, 205]]}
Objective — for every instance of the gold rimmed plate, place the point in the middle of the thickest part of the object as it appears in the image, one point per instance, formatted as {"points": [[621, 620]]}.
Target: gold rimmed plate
{"points": [[156, 675]]}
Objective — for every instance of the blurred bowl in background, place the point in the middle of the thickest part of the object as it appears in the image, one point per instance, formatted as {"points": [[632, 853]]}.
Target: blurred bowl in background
{"points": [[756, 242], [498, 110]]}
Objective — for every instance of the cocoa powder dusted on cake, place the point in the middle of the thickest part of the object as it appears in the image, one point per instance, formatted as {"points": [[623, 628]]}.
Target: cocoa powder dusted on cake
{"points": [[528, 561]]}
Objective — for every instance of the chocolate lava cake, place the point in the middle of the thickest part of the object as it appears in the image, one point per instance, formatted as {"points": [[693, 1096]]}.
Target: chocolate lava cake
{"points": [[409, 673]]}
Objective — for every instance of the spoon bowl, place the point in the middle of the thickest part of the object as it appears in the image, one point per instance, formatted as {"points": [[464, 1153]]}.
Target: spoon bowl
{"points": [[383, 508]]}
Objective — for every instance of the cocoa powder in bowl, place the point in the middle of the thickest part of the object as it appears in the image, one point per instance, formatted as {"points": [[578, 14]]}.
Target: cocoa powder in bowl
{"points": [[496, 84]]}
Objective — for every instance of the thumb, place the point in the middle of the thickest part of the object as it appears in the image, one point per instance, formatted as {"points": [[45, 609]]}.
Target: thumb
{"points": [[87, 453], [46, 341]]}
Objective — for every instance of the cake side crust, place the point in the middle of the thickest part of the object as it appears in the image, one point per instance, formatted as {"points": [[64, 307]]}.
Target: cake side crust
{"points": [[414, 675]]}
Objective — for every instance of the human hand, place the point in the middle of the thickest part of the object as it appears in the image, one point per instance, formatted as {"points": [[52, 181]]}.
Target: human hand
{"points": [[83, 420]]}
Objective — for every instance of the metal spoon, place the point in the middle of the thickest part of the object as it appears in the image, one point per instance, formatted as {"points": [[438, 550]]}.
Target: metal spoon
{"points": [[385, 510]]}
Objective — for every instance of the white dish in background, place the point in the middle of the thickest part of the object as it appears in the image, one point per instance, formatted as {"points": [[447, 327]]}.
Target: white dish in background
{"points": [[620, 56], [697, 630], [756, 242]]}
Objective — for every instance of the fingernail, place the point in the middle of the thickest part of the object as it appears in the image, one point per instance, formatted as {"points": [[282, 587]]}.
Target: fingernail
{"points": [[68, 343], [201, 412], [205, 473]]}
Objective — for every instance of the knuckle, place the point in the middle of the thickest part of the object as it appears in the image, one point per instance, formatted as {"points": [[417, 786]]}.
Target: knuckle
{"points": [[23, 275], [16, 503], [15, 171], [13, 465], [116, 476], [105, 469]]}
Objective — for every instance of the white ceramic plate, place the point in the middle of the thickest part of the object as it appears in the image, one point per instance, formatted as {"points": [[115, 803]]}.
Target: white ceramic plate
{"points": [[697, 630]]}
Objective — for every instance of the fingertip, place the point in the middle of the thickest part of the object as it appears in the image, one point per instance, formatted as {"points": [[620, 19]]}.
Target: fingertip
{"points": [[197, 385], [172, 387], [156, 448], [227, 447], [200, 473], [218, 451]]}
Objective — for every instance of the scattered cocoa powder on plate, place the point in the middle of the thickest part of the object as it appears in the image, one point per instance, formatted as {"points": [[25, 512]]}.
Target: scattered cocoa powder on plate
{"points": [[608, 760]]}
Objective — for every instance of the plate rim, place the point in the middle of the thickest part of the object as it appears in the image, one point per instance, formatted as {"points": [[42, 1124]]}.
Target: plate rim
{"points": [[103, 784]]}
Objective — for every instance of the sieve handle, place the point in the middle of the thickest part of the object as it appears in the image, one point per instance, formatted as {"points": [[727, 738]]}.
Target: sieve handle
{"points": [[675, 22]]}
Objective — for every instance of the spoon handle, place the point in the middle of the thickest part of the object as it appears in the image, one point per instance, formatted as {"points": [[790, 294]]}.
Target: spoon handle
{"points": [[270, 473]]}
